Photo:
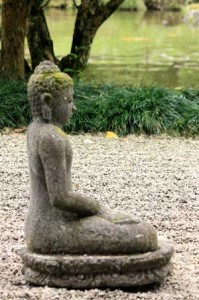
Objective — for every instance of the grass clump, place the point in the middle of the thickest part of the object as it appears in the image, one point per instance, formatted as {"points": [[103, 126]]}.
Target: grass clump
{"points": [[135, 110], [187, 124], [108, 107], [14, 107], [131, 5]]}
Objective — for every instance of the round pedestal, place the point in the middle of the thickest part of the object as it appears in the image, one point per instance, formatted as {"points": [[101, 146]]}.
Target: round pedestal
{"points": [[95, 271]]}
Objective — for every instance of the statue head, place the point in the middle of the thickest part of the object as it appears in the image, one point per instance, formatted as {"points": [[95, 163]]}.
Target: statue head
{"points": [[50, 93]]}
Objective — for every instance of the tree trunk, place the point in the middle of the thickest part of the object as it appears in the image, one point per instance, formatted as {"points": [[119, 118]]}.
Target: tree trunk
{"points": [[83, 35], [14, 20], [153, 4], [39, 40], [90, 16]]}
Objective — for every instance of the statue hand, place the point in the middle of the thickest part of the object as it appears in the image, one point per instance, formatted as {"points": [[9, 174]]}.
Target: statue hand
{"points": [[81, 205], [89, 208], [116, 217]]}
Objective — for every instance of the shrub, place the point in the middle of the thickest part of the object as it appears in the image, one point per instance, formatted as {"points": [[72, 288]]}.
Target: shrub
{"points": [[14, 108], [109, 107], [187, 123], [126, 109]]}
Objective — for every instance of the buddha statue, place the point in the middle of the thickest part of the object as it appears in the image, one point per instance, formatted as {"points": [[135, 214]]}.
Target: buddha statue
{"points": [[60, 221]]}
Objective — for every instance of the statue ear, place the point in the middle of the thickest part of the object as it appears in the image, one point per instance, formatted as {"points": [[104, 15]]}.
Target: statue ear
{"points": [[46, 106]]}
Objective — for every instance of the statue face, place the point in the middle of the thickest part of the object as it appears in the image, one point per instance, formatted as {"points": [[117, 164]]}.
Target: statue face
{"points": [[68, 100], [63, 106]]}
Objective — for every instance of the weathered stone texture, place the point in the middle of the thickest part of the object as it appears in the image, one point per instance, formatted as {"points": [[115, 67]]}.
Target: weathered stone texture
{"points": [[73, 240], [85, 271]]}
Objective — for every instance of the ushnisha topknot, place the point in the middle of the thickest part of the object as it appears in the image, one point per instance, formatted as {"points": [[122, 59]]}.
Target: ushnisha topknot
{"points": [[46, 67], [47, 78], [48, 74]]}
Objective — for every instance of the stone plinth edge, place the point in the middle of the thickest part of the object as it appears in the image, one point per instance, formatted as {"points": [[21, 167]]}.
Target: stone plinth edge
{"points": [[92, 271]]}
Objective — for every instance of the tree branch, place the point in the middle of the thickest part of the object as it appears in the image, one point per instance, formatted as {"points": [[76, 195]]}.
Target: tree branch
{"points": [[45, 4], [85, 3], [109, 8], [75, 4]]}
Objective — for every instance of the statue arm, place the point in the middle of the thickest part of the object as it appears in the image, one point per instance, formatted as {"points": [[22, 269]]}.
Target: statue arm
{"points": [[69, 181], [52, 154]]}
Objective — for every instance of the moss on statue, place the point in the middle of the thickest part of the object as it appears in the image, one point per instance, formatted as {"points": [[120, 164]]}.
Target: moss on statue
{"points": [[56, 78], [60, 132]]}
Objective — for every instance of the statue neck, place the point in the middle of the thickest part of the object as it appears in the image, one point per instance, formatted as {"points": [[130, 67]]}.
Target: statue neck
{"points": [[40, 120]]}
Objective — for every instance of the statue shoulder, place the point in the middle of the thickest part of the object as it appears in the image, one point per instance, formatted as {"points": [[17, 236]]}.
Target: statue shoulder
{"points": [[50, 138]]}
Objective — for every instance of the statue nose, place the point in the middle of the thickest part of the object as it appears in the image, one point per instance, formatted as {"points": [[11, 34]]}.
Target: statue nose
{"points": [[74, 107]]}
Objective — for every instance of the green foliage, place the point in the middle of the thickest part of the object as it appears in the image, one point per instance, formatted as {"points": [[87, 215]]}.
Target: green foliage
{"points": [[14, 108], [188, 109], [130, 4], [126, 110], [109, 107]]}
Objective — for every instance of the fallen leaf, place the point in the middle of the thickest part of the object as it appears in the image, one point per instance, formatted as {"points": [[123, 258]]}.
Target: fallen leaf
{"points": [[193, 6], [111, 135], [135, 39], [178, 88], [172, 35], [20, 130], [76, 186]]}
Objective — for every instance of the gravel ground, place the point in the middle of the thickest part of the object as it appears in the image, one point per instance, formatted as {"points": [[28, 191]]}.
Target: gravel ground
{"points": [[153, 178]]}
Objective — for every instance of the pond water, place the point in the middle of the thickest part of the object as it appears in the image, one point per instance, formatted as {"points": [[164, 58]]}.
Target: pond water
{"points": [[135, 48]]}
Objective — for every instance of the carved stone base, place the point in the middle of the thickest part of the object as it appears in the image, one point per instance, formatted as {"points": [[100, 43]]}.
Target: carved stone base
{"points": [[92, 271]]}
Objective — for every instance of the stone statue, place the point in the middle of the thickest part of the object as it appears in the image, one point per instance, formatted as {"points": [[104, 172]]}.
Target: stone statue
{"points": [[60, 221]]}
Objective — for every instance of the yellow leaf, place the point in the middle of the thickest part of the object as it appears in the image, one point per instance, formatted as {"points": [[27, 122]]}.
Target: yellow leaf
{"points": [[135, 39], [76, 186], [172, 35], [111, 135], [193, 6]]}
